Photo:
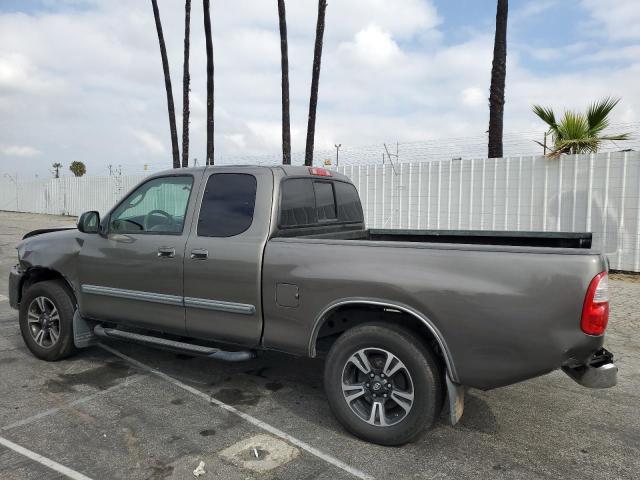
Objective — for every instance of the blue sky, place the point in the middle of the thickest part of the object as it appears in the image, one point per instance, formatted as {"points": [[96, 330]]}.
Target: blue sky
{"points": [[82, 79]]}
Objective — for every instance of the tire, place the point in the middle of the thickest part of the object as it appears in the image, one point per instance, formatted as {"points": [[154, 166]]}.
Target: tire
{"points": [[419, 376], [38, 309]]}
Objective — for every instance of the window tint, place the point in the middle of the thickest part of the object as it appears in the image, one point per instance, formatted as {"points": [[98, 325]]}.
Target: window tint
{"points": [[227, 205], [349, 207], [307, 202], [325, 202], [157, 206], [297, 203]]}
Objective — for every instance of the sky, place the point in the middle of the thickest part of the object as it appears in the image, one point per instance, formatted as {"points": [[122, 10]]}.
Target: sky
{"points": [[82, 79]]}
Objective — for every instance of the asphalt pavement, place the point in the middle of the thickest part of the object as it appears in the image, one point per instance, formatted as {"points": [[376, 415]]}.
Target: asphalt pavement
{"points": [[131, 412]]}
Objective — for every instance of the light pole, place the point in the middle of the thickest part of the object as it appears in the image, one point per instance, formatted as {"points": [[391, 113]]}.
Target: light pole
{"points": [[338, 145]]}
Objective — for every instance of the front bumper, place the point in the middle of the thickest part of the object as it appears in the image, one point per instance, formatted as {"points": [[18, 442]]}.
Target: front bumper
{"points": [[15, 286], [599, 372]]}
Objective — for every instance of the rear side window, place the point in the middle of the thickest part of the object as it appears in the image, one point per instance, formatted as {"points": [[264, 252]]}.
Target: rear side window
{"points": [[349, 207], [297, 203], [227, 206], [325, 201]]}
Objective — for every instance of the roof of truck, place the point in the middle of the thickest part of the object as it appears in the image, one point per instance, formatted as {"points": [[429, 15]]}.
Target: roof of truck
{"points": [[288, 170]]}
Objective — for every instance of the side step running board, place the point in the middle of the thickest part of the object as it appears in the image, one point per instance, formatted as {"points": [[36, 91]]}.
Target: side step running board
{"points": [[188, 348]]}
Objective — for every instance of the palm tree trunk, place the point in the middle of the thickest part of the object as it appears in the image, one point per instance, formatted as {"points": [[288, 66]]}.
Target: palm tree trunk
{"points": [[284, 62], [209, 45], [498, 75], [185, 85], [167, 85], [315, 79]]}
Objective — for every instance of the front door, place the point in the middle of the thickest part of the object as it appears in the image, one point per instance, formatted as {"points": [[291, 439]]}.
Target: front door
{"points": [[134, 274], [223, 258]]}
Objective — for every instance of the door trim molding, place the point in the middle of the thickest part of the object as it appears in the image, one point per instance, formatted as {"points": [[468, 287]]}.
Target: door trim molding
{"points": [[219, 305], [192, 302], [133, 295]]}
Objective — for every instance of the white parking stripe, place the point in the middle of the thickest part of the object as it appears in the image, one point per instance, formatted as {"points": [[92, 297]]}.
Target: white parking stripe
{"points": [[26, 421], [3, 298], [47, 462], [254, 421]]}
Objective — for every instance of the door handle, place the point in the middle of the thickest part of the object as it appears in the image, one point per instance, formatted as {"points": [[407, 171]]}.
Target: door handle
{"points": [[166, 252], [199, 254]]}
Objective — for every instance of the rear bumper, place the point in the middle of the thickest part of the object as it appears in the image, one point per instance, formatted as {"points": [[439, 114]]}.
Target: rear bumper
{"points": [[15, 283], [599, 372]]}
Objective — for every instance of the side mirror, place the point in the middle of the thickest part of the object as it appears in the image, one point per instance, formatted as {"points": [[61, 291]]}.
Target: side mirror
{"points": [[89, 222]]}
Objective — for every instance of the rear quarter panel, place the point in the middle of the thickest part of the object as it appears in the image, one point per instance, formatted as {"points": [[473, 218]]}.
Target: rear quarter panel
{"points": [[505, 313]]}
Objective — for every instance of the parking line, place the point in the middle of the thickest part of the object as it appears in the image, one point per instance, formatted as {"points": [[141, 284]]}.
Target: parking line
{"points": [[52, 411], [254, 421], [47, 462]]}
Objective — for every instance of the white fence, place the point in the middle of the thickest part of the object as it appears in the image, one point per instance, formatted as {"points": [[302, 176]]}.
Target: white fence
{"points": [[583, 193], [65, 195]]}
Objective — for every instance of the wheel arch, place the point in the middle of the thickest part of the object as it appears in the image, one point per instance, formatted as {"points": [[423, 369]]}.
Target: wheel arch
{"points": [[38, 274], [426, 325]]}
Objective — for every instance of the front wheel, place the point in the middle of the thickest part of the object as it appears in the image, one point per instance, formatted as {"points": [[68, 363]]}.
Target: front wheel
{"points": [[383, 384], [46, 320]]}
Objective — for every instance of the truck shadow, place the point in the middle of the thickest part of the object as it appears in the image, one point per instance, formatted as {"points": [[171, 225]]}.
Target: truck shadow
{"points": [[477, 416], [293, 386]]}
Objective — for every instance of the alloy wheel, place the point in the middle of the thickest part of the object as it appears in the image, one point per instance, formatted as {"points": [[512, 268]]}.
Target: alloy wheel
{"points": [[43, 321], [377, 386]]}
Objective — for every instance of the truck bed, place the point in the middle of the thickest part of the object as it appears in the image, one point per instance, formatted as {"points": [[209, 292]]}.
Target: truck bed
{"points": [[507, 304]]}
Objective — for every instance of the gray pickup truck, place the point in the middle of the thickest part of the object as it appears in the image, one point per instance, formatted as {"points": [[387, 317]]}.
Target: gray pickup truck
{"points": [[228, 261]]}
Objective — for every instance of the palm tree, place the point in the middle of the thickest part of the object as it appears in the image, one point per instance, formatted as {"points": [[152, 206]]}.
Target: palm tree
{"points": [[209, 48], [498, 75], [185, 86], [78, 168], [167, 86], [315, 79], [56, 169], [580, 132], [284, 62]]}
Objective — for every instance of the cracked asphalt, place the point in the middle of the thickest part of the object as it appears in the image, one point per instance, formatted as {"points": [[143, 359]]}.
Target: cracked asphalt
{"points": [[103, 416]]}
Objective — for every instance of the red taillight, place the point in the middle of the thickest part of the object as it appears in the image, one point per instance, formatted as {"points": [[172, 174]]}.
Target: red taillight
{"points": [[595, 311], [320, 172]]}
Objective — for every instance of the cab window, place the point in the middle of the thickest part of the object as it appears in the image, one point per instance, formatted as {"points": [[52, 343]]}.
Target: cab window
{"points": [[155, 207], [227, 206]]}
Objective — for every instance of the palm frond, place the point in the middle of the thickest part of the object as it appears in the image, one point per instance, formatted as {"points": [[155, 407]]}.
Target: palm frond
{"points": [[620, 136], [572, 126], [580, 145], [598, 113], [546, 115]]}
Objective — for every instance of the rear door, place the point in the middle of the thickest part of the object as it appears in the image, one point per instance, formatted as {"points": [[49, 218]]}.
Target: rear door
{"points": [[223, 258]]}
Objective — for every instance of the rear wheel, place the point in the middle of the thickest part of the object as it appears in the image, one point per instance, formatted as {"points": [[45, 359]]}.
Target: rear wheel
{"points": [[383, 384], [46, 320]]}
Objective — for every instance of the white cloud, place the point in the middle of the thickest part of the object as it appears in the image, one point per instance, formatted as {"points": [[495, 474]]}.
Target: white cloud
{"points": [[474, 97], [19, 151], [372, 46], [268, 132], [150, 142], [237, 139], [530, 9], [620, 18], [18, 74], [87, 83]]}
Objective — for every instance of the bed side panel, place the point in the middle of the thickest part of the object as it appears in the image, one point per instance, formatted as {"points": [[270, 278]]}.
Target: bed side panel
{"points": [[504, 315]]}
